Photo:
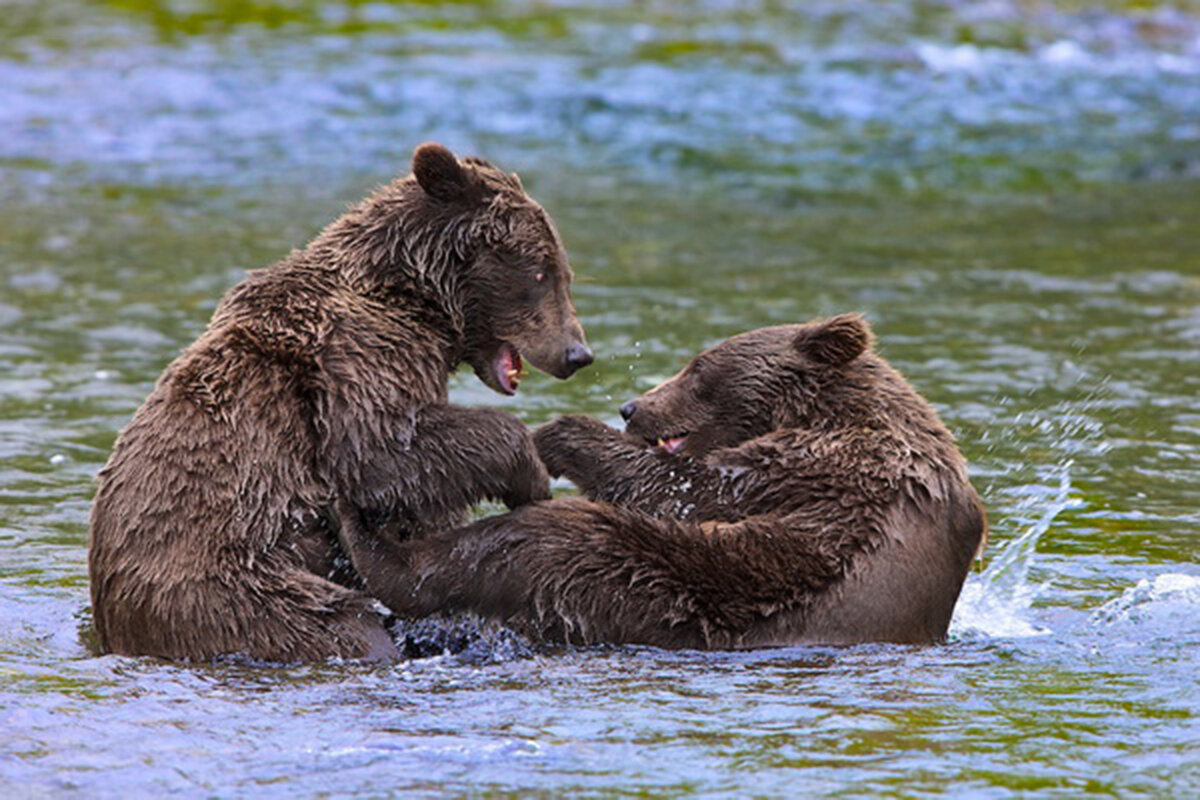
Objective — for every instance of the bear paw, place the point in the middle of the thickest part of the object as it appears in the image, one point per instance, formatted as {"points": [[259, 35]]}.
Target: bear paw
{"points": [[569, 442]]}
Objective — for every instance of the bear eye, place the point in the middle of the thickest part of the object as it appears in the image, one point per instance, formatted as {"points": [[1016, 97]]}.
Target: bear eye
{"points": [[541, 276]]}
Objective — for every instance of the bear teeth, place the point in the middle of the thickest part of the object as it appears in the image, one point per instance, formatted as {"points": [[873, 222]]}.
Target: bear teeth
{"points": [[672, 444], [508, 369], [514, 378]]}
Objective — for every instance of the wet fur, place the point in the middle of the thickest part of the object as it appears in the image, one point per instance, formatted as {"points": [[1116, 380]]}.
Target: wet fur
{"points": [[818, 498], [314, 406]]}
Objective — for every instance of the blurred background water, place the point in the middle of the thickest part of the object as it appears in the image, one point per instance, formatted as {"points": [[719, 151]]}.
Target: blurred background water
{"points": [[1009, 190]]}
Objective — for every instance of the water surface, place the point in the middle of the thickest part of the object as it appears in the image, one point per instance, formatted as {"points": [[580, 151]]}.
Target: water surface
{"points": [[1010, 192]]}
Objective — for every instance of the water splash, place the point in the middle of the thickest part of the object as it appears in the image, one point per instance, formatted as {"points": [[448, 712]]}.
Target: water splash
{"points": [[1170, 595], [463, 639], [997, 603]]}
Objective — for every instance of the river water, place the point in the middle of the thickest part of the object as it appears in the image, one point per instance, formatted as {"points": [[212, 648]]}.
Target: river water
{"points": [[1010, 191]]}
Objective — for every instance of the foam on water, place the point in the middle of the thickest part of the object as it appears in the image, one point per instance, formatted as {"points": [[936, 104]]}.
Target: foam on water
{"points": [[1170, 595], [998, 602]]}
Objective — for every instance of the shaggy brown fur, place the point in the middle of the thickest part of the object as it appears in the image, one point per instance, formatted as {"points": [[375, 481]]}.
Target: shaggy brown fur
{"points": [[787, 486], [316, 402]]}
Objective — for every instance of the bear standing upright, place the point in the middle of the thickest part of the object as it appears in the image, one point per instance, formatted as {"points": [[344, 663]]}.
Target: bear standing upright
{"points": [[788, 486], [315, 405]]}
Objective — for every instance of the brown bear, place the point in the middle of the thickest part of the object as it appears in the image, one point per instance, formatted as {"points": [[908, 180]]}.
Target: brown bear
{"points": [[788, 486], [315, 405]]}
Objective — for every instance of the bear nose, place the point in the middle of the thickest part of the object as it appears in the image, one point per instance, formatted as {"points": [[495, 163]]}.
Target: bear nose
{"points": [[628, 409], [578, 356]]}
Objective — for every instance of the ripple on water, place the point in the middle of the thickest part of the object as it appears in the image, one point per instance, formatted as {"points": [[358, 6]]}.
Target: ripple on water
{"points": [[777, 100], [1007, 195]]}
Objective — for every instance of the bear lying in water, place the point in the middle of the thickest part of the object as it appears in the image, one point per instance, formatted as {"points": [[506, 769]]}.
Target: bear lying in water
{"points": [[788, 486]]}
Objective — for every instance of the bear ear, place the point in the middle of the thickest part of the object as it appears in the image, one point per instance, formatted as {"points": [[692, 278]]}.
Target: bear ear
{"points": [[439, 173], [835, 341]]}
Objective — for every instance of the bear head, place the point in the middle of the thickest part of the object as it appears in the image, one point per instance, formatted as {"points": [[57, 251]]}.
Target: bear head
{"points": [[785, 376], [513, 280]]}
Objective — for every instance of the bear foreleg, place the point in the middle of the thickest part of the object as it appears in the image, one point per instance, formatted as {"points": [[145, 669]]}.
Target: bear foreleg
{"points": [[582, 572], [612, 467]]}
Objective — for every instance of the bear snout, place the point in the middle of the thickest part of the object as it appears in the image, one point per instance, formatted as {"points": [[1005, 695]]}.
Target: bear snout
{"points": [[578, 356]]}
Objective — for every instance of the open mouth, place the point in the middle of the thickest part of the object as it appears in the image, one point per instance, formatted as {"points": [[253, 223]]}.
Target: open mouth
{"points": [[672, 444], [508, 369]]}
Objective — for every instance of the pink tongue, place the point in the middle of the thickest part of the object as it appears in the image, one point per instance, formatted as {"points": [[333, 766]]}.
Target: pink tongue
{"points": [[674, 444], [507, 362]]}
